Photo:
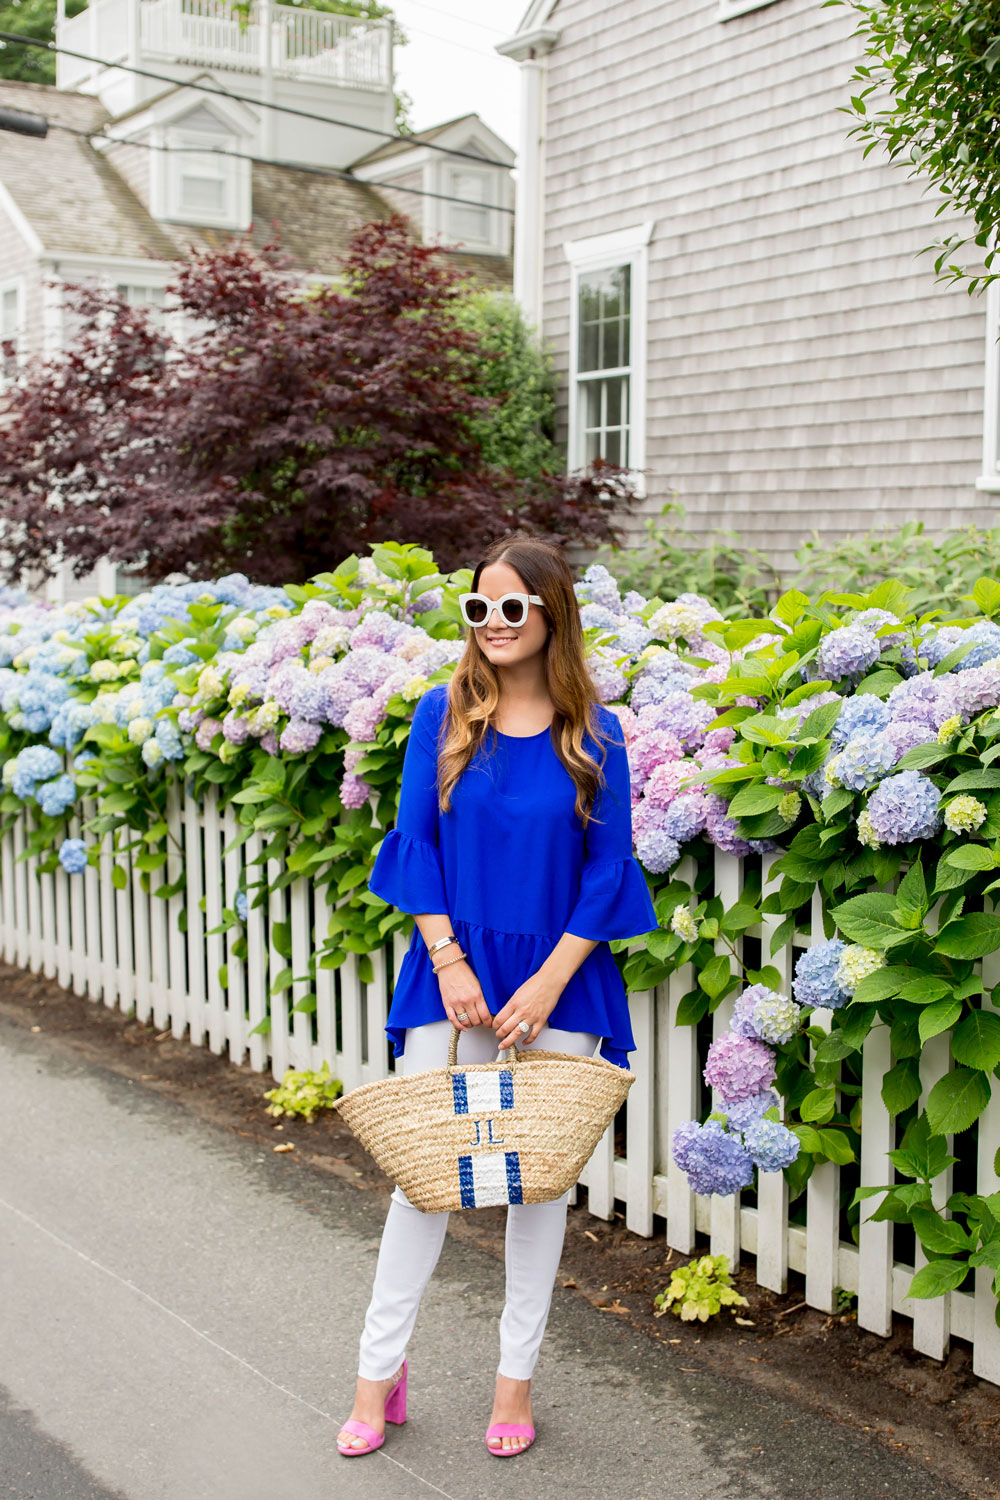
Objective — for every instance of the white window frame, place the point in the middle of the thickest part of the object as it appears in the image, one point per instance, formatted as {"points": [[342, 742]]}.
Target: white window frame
{"points": [[213, 149], [15, 284], [989, 480], [487, 195], [606, 252]]}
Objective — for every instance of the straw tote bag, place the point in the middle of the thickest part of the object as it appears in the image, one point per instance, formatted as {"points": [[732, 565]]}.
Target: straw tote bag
{"points": [[473, 1135]]}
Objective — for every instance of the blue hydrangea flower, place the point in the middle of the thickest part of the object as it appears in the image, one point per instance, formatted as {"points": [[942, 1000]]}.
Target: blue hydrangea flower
{"points": [[904, 807], [771, 1145], [741, 1116], [715, 1162], [986, 636], [73, 856], [240, 905], [815, 982], [864, 760], [847, 652], [56, 797], [863, 714]]}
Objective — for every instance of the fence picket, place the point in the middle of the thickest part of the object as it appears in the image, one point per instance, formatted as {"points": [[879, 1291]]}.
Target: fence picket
{"points": [[639, 1118], [77, 937], [215, 943], [236, 1023], [877, 1140], [301, 1048], [109, 935], [10, 928], [772, 1189], [986, 1348], [176, 945], [195, 944], [822, 1189], [147, 980], [92, 913], [257, 1009], [326, 988], [932, 1316], [725, 1211], [48, 939], [34, 910]]}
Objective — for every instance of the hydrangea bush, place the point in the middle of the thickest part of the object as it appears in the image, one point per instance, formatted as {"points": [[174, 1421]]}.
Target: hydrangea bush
{"points": [[850, 740]]}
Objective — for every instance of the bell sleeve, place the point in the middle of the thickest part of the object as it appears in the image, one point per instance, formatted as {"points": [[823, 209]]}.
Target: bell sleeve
{"points": [[614, 899], [407, 872]]}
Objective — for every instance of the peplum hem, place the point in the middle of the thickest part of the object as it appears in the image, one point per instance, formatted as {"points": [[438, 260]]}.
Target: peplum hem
{"points": [[407, 874], [614, 902], [594, 999]]}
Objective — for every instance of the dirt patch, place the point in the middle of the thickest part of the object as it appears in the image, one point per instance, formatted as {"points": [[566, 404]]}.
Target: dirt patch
{"points": [[941, 1415]]}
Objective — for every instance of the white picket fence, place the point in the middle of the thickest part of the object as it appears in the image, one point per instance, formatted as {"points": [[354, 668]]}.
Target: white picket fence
{"points": [[126, 948]]}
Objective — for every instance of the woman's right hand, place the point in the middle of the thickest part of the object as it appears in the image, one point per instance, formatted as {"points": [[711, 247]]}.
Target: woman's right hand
{"points": [[460, 991]]}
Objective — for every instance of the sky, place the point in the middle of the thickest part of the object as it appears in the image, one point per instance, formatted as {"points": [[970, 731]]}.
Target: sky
{"points": [[449, 67]]}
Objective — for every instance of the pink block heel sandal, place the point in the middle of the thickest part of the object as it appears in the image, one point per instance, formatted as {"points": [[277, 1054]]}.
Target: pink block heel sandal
{"points": [[395, 1411], [509, 1429]]}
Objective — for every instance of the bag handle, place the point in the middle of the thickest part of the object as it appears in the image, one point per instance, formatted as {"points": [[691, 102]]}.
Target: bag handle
{"points": [[510, 1059]]}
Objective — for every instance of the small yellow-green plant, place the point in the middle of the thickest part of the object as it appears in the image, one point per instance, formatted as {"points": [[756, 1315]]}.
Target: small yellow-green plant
{"points": [[700, 1290], [304, 1092]]}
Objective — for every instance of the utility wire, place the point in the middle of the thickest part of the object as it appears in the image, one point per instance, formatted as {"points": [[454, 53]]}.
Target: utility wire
{"points": [[263, 161], [16, 38]]}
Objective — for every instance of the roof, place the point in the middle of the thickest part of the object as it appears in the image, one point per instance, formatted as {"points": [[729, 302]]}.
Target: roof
{"points": [[78, 203], [418, 138]]}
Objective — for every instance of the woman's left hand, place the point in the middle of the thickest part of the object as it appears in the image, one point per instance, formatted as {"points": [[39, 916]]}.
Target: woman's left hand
{"points": [[533, 1001]]}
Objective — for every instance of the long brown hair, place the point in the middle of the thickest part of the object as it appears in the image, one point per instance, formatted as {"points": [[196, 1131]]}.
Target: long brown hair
{"points": [[474, 689]]}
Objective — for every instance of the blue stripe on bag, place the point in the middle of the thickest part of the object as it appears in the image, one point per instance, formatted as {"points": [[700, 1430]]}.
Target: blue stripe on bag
{"points": [[514, 1191], [506, 1090], [459, 1094], [465, 1182]]}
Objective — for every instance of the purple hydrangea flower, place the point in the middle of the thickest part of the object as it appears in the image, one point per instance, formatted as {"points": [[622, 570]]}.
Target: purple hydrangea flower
{"points": [[354, 791], [656, 850], [905, 807], [903, 734], [722, 829], [300, 736], [206, 732], [714, 1161], [977, 690], [771, 1145], [815, 982], [686, 816], [739, 1067]]}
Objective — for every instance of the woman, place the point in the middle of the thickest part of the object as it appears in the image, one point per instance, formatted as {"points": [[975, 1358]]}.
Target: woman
{"points": [[513, 851]]}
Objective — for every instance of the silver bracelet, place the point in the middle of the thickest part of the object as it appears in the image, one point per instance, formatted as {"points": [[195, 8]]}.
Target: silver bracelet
{"points": [[441, 943]]}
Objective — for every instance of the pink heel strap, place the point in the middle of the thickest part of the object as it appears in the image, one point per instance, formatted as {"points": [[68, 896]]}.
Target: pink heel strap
{"points": [[361, 1429], [509, 1429]]}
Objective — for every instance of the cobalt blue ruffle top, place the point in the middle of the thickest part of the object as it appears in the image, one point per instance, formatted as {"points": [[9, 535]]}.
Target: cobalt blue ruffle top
{"points": [[510, 864]]}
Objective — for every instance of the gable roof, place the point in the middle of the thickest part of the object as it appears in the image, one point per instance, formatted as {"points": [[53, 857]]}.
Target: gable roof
{"points": [[76, 201], [421, 137]]}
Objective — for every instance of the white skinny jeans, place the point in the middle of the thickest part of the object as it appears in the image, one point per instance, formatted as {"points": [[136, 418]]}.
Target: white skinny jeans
{"points": [[412, 1240]]}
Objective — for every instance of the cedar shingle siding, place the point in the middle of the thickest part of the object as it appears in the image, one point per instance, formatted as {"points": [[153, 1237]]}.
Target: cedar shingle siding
{"points": [[805, 370]]}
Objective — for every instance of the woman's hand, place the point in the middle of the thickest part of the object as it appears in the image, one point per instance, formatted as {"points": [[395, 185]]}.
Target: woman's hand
{"points": [[533, 1001], [460, 991]]}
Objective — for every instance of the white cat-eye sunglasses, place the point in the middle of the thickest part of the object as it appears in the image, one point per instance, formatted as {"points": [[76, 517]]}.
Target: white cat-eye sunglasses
{"points": [[477, 608]]}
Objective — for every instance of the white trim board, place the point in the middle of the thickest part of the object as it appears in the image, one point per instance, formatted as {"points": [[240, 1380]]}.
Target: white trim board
{"points": [[20, 223], [629, 245]]}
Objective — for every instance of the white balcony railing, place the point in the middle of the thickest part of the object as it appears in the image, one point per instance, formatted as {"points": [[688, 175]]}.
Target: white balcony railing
{"points": [[282, 39]]}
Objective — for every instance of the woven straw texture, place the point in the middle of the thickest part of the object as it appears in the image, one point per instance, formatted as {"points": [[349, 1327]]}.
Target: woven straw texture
{"points": [[518, 1130]]}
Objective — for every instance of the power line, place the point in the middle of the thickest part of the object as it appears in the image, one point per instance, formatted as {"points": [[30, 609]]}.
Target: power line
{"points": [[266, 161], [483, 25], [18, 39]]}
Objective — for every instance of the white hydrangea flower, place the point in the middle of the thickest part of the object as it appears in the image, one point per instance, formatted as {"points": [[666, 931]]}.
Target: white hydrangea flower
{"points": [[140, 730], [683, 924], [856, 963], [964, 814]]}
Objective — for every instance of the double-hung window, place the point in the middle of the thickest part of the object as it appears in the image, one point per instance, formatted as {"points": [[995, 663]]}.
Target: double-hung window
{"points": [[607, 374], [11, 329]]}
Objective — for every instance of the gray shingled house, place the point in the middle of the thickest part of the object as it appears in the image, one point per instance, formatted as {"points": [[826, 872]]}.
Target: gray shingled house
{"points": [[734, 296]]}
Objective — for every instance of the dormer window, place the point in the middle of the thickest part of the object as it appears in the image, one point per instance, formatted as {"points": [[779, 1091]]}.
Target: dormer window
{"points": [[203, 181], [466, 222]]}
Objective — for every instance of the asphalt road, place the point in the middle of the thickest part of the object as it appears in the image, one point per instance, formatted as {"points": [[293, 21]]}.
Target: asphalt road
{"points": [[179, 1316]]}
